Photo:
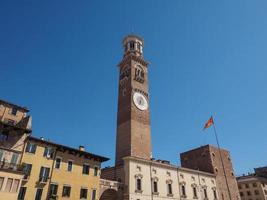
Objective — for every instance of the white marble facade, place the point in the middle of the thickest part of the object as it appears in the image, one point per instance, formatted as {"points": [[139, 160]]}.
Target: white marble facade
{"points": [[156, 180]]}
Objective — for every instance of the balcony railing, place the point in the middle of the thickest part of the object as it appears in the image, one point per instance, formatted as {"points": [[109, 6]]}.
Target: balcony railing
{"points": [[11, 166]]}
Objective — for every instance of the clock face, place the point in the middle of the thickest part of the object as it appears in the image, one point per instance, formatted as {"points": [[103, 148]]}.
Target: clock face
{"points": [[140, 101]]}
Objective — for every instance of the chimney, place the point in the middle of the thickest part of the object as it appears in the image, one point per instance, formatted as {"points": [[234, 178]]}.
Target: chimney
{"points": [[81, 148]]}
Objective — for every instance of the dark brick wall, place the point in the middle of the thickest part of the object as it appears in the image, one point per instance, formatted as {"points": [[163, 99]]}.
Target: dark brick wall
{"points": [[207, 158]]}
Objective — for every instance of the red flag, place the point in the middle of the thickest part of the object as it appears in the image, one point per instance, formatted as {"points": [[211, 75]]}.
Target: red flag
{"points": [[209, 123]]}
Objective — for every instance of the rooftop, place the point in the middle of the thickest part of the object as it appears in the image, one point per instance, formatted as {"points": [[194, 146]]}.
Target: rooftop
{"points": [[63, 147], [24, 109], [204, 147]]}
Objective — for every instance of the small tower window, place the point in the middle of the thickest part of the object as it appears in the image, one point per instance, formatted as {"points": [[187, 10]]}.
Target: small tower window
{"points": [[138, 46], [131, 45], [141, 49]]}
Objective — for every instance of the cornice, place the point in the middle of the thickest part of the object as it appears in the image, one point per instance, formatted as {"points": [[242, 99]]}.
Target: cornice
{"points": [[135, 58], [167, 166]]}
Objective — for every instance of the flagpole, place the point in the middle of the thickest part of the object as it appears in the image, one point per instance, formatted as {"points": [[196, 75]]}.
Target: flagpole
{"points": [[224, 172]]}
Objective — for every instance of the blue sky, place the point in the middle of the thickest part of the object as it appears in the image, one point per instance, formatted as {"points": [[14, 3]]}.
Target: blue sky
{"points": [[59, 58]]}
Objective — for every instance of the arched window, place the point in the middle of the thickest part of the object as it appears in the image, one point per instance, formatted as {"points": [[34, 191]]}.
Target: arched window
{"points": [[205, 192], [194, 187], [169, 187], [138, 184], [155, 185], [183, 191], [138, 179], [124, 74], [139, 74], [214, 193]]}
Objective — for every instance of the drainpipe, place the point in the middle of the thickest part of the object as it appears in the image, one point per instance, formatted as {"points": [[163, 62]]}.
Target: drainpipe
{"points": [[200, 189], [50, 180], [151, 181], [179, 183]]}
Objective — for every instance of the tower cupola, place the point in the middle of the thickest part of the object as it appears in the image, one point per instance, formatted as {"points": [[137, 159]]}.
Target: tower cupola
{"points": [[133, 44]]}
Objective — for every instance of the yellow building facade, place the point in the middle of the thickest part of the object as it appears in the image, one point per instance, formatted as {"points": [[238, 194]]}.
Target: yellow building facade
{"points": [[56, 171], [15, 126]]}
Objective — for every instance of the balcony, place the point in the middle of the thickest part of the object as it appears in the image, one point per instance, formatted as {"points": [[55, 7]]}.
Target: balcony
{"points": [[11, 167], [24, 125]]}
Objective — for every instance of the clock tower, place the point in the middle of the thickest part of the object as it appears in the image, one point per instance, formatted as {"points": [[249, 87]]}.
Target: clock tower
{"points": [[133, 118]]}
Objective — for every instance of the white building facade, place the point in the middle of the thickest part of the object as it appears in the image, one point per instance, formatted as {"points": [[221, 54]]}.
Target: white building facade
{"points": [[159, 180]]}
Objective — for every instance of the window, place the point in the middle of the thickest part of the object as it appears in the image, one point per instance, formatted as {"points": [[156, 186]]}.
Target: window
{"points": [[139, 74], [3, 136], [241, 194], [183, 190], [83, 193], [8, 185], [13, 111], [93, 194], [70, 165], [1, 154], [44, 174], [247, 186], [66, 191], [22, 192], [195, 192], [31, 148], [254, 184], [15, 186], [27, 170], [86, 169], [138, 46], [248, 193], [138, 184], [38, 195], [155, 186], [58, 162], [256, 192], [48, 152], [205, 193], [95, 171], [265, 192], [1, 182], [14, 158], [214, 194], [169, 186], [131, 45], [53, 190]]}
